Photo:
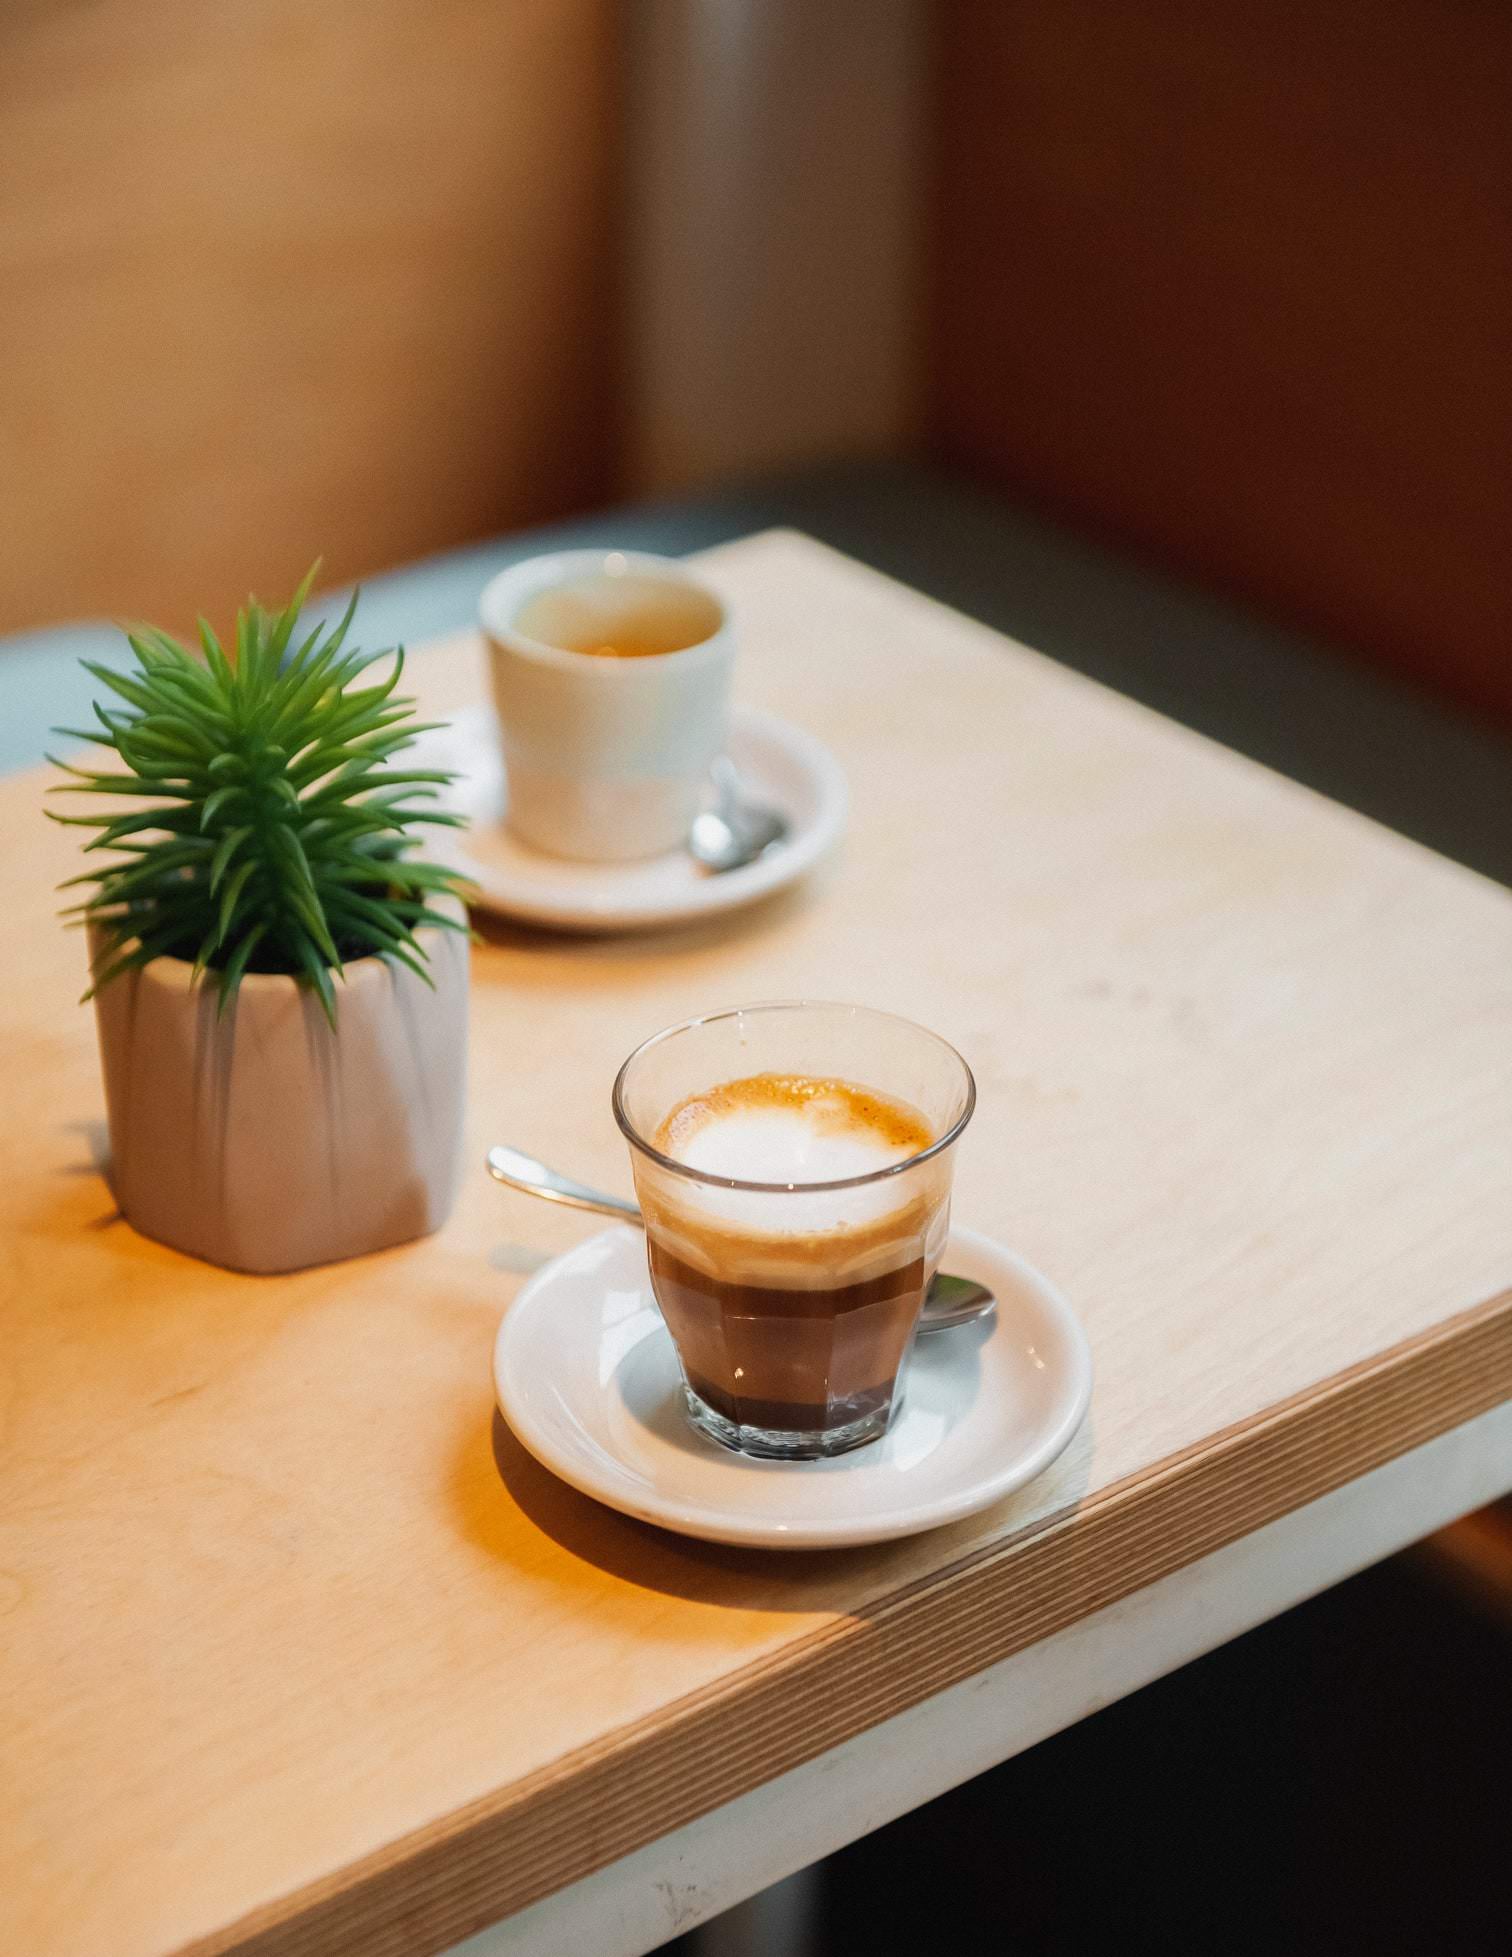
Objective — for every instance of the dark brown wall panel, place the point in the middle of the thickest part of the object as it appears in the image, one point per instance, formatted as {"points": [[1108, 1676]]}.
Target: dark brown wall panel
{"points": [[1234, 283]]}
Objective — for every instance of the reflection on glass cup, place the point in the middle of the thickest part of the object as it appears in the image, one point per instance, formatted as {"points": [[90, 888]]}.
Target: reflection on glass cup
{"points": [[793, 1164], [611, 675]]}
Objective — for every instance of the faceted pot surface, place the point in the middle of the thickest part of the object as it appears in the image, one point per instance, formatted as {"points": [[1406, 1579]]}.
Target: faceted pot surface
{"points": [[264, 1140]]}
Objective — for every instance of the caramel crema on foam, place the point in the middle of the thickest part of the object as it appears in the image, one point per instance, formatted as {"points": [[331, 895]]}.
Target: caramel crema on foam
{"points": [[793, 1129]]}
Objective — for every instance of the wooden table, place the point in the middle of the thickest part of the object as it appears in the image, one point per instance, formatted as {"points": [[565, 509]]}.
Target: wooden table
{"points": [[299, 1653]]}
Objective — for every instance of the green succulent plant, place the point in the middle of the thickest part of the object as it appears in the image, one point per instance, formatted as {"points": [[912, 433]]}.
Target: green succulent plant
{"points": [[276, 835]]}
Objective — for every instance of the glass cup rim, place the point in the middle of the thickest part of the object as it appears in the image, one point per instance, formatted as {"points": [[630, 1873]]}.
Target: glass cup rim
{"points": [[639, 1142]]}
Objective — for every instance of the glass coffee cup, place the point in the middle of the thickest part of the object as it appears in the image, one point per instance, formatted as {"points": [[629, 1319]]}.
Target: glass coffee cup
{"points": [[793, 1165]]}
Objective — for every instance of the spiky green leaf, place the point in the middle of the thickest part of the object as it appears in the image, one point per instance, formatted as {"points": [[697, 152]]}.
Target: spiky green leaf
{"points": [[275, 832]]}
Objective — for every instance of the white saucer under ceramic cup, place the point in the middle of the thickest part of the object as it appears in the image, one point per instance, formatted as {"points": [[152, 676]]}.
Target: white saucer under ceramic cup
{"points": [[611, 675], [778, 765], [587, 1379]]}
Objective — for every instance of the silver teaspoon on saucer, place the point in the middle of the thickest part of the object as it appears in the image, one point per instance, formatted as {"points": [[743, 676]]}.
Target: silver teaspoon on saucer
{"points": [[734, 832], [949, 1300]]}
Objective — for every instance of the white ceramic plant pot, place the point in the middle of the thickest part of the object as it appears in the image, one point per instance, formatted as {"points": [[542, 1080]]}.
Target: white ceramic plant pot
{"points": [[264, 1140]]}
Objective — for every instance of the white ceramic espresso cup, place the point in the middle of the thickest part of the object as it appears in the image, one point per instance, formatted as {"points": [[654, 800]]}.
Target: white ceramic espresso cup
{"points": [[607, 757]]}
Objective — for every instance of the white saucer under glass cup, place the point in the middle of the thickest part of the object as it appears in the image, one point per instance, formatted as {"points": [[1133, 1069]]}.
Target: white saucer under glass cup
{"points": [[611, 675], [793, 1301]]}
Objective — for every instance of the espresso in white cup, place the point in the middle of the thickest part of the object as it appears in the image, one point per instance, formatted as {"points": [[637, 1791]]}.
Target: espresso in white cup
{"points": [[611, 675]]}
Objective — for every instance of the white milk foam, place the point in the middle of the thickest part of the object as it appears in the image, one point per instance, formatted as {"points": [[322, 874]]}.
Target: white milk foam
{"points": [[785, 1145], [799, 1143]]}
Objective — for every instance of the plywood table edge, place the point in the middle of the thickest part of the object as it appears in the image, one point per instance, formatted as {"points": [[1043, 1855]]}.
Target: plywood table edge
{"points": [[419, 1895]]}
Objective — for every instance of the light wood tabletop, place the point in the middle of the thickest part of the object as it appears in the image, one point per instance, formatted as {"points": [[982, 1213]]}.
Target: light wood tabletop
{"points": [[299, 1653]]}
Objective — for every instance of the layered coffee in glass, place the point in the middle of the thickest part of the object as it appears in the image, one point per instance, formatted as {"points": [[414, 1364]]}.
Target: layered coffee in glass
{"points": [[793, 1164]]}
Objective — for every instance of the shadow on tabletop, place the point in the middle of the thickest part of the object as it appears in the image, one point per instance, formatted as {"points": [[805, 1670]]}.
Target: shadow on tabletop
{"points": [[637, 1552], [94, 1166], [95, 1135], [681, 939], [490, 1504]]}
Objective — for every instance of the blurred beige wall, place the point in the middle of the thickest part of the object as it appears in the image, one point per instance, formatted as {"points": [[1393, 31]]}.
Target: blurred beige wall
{"points": [[279, 279], [774, 166]]}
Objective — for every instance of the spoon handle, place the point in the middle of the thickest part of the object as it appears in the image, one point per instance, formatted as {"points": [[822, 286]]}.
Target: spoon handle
{"points": [[521, 1171], [949, 1300]]}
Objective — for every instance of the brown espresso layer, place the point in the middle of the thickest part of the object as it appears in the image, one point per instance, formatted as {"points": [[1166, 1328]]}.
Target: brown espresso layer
{"points": [[793, 1310], [800, 1360]]}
